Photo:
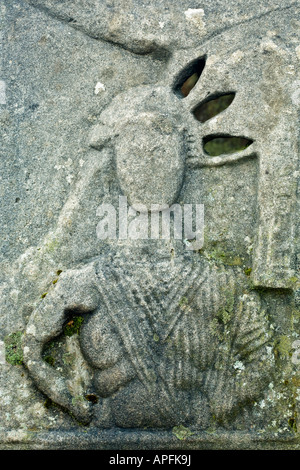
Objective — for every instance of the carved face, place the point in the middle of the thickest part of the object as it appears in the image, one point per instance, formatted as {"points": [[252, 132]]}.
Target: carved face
{"points": [[149, 154], [150, 165]]}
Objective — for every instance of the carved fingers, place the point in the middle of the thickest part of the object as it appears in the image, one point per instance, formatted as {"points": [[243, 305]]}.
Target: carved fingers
{"points": [[75, 291], [51, 382]]}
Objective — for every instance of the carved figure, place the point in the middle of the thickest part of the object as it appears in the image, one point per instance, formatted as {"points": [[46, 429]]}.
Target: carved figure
{"points": [[170, 338]]}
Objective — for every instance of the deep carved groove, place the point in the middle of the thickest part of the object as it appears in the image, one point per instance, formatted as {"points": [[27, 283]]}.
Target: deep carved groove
{"points": [[212, 106], [215, 145], [188, 77]]}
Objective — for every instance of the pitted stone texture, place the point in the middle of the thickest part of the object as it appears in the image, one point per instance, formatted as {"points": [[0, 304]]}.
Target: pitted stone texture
{"points": [[170, 337]]}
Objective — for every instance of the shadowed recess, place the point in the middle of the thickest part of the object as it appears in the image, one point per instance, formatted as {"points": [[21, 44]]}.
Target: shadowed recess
{"points": [[212, 106], [188, 77], [224, 144]]}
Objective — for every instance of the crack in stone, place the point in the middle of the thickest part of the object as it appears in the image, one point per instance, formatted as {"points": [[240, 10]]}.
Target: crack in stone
{"points": [[150, 48]]}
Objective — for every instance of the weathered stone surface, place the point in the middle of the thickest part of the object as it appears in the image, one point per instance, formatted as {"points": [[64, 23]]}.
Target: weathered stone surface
{"points": [[149, 343]]}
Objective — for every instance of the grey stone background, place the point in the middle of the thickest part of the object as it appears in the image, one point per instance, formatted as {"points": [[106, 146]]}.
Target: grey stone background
{"points": [[53, 54]]}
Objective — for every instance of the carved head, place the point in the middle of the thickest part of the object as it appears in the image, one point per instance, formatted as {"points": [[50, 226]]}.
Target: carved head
{"points": [[157, 131]]}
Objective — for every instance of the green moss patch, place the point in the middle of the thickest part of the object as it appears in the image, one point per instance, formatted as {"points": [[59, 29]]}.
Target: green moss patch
{"points": [[225, 257], [73, 326], [13, 348]]}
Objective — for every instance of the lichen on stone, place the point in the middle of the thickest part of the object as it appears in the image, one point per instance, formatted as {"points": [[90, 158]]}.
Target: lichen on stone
{"points": [[181, 432]]}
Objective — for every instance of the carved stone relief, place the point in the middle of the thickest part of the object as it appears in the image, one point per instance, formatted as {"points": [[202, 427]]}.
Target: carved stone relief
{"points": [[191, 343]]}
